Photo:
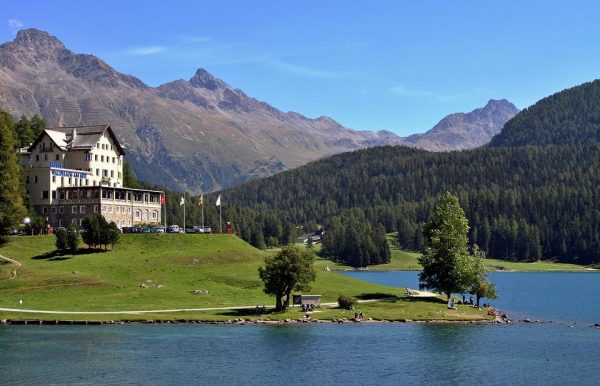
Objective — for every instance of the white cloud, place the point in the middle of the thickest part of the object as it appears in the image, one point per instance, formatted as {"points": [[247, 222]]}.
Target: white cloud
{"points": [[15, 25], [150, 50], [301, 70]]}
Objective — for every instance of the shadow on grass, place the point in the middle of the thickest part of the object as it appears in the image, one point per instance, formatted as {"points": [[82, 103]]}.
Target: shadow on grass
{"points": [[247, 312], [58, 256], [376, 295], [422, 299]]}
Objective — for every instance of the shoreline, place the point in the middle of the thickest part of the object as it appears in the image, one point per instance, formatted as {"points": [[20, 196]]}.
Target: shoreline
{"points": [[499, 319]]}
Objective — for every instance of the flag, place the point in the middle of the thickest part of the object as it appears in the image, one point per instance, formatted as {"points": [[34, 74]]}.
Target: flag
{"points": [[162, 199], [201, 200], [219, 200], [182, 201]]}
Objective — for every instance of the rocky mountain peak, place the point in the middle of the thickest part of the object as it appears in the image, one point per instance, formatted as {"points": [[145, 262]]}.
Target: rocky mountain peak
{"points": [[500, 105], [38, 40], [204, 79]]}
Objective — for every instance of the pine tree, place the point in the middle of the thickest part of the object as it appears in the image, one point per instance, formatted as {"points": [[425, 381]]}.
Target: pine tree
{"points": [[12, 209]]}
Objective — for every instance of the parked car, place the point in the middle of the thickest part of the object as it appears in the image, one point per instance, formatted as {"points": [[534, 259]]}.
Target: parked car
{"points": [[158, 229], [205, 229], [194, 229], [173, 229]]}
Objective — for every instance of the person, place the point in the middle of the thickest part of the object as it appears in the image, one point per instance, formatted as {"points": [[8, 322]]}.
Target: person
{"points": [[360, 316], [451, 304], [470, 299]]}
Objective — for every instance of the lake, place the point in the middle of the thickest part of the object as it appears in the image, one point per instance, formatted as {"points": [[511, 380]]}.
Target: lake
{"points": [[565, 351]]}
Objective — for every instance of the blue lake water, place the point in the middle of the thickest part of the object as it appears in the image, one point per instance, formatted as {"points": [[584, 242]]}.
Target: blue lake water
{"points": [[313, 354], [564, 297]]}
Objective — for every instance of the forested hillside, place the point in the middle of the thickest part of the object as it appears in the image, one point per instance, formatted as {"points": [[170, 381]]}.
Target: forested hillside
{"points": [[571, 116], [522, 203]]}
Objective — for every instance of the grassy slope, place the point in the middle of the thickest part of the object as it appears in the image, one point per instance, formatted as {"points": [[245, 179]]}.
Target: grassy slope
{"points": [[407, 261], [222, 264]]}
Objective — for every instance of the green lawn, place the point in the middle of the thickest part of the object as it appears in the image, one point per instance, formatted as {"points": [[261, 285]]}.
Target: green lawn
{"points": [[148, 271], [407, 261]]}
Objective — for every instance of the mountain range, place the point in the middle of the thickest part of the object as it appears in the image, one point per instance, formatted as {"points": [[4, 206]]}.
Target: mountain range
{"points": [[199, 134], [533, 192]]}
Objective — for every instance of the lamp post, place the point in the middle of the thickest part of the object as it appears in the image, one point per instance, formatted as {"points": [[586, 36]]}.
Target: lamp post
{"points": [[27, 222]]}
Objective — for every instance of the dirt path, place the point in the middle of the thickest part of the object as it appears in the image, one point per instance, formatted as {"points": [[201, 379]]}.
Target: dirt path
{"points": [[13, 273], [153, 311]]}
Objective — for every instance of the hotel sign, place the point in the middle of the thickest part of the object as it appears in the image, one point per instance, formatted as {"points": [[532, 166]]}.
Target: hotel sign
{"points": [[66, 173]]}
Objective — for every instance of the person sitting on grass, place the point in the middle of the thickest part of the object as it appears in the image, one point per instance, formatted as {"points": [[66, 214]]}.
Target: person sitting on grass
{"points": [[451, 305]]}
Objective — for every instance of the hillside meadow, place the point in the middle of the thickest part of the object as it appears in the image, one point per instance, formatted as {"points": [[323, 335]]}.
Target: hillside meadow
{"points": [[160, 272]]}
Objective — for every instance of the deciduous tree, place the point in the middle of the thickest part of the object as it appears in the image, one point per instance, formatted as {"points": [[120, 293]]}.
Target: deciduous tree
{"points": [[289, 270]]}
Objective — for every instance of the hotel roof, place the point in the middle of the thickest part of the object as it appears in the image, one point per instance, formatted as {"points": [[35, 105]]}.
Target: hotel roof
{"points": [[78, 137]]}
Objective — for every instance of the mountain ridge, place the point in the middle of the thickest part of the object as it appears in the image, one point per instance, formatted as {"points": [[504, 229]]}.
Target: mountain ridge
{"points": [[199, 134]]}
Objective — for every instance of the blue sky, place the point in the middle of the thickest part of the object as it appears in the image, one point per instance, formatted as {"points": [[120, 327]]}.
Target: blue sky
{"points": [[394, 65]]}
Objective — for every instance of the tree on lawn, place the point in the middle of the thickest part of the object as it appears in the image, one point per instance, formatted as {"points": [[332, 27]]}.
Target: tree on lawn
{"points": [[480, 286], [445, 258], [98, 232], [72, 239], [289, 270]]}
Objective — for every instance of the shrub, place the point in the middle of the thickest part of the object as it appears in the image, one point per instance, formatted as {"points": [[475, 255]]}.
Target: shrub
{"points": [[72, 242], [61, 239], [346, 302]]}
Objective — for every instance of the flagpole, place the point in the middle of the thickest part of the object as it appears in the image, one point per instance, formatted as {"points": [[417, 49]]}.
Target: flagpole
{"points": [[183, 212], [220, 218], [202, 206], [165, 205]]}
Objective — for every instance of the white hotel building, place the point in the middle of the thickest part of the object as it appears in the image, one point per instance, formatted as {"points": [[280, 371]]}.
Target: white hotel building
{"points": [[74, 172]]}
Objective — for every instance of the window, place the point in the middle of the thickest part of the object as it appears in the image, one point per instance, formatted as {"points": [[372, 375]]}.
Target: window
{"points": [[128, 210], [61, 209], [154, 215], [74, 221], [45, 210], [57, 157], [37, 157], [45, 194], [95, 208], [35, 179], [138, 214], [113, 158], [104, 173], [82, 209], [61, 194], [70, 181], [60, 223], [54, 194], [80, 222], [97, 172], [45, 157], [95, 157], [53, 178], [74, 209], [119, 175], [53, 210], [88, 156], [112, 174], [27, 179], [62, 181]]}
